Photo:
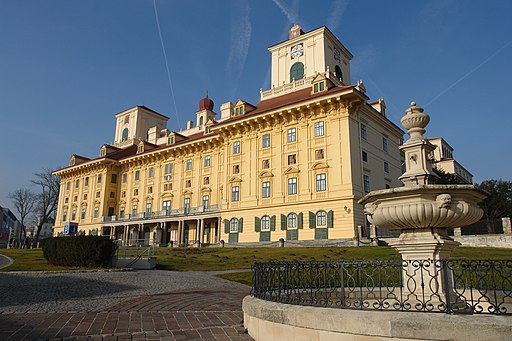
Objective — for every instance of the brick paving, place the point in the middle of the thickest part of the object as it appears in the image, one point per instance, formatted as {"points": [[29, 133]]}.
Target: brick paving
{"points": [[211, 312]]}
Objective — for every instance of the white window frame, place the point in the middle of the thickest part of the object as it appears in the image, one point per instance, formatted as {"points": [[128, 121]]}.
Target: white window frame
{"points": [[321, 218], [236, 147], [235, 193], [265, 141], [292, 186], [265, 189], [291, 221], [319, 128], [207, 161], [265, 223], [321, 182], [188, 165], [233, 225], [292, 135]]}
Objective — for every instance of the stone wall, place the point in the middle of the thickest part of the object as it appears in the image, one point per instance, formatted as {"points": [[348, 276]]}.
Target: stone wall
{"points": [[486, 240]]}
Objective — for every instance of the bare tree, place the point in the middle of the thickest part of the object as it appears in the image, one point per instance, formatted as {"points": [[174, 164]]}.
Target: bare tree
{"points": [[47, 199], [24, 201]]}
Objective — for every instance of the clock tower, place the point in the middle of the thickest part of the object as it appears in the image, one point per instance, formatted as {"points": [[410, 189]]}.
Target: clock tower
{"points": [[304, 55]]}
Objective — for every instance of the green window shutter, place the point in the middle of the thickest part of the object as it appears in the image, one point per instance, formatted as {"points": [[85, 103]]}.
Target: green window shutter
{"points": [[312, 220], [273, 223], [257, 224], [330, 219], [283, 222], [299, 220], [241, 225], [226, 226]]}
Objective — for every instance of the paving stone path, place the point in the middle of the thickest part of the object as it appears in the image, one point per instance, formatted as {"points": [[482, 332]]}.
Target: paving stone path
{"points": [[126, 305]]}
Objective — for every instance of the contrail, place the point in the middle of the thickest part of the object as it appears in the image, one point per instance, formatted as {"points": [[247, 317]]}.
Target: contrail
{"points": [[166, 65], [470, 72]]}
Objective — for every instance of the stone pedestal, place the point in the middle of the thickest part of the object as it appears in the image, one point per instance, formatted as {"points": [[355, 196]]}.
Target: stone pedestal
{"points": [[507, 226]]}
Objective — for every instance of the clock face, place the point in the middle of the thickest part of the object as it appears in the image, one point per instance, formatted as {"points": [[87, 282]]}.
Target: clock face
{"points": [[337, 55], [297, 51]]}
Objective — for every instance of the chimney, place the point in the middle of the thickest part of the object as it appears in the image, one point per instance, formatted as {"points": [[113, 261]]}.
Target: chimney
{"points": [[226, 110], [190, 124]]}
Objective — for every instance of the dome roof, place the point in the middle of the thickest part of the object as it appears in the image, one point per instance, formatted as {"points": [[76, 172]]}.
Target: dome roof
{"points": [[206, 104]]}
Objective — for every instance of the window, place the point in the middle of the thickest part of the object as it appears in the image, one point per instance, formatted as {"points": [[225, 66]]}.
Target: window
{"points": [[292, 159], [186, 205], [206, 200], [233, 226], [236, 169], [98, 194], [292, 135], [150, 189], [265, 223], [188, 183], [188, 165], [148, 209], [82, 214], [96, 212], [206, 180], [207, 161], [86, 183], [113, 178], [137, 175], [266, 164], [321, 218], [317, 87], [365, 156], [404, 168], [151, 172], [292, 186], [338, 74], [363, 131], [123, 194], [68, 185], [167, 187], [265, 189], [366, 183], [236, 147], [265, 141], [99, 178], [235, 193], [124, 178], [136, 191], [121, 212], [386, 167], [321, 182], [134, 210], [77, 183], [296, 71], [66, 200], [64, 216], [73, 215], [112, 195], [384, 144], [85, 196], [240, 110], [166, 206], [125, 135], [168, 168], [291, 221], [319, 154], [75, 198], [319, 128]]}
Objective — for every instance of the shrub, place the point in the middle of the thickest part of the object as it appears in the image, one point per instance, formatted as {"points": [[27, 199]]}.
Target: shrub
{"points": [[79, 251]]}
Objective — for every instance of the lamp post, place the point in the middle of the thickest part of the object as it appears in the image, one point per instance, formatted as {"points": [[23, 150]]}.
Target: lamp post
{"points": [[9, 238]]}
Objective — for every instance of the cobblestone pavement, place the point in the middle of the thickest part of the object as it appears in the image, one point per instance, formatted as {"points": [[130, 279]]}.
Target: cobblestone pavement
{"points": [[127, 305]]}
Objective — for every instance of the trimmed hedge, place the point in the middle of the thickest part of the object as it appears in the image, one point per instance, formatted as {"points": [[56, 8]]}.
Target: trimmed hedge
{"points": [[79, 251]]}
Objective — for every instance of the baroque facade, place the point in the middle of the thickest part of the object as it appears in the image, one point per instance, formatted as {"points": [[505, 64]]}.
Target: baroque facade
{"points": [[292, 166]]}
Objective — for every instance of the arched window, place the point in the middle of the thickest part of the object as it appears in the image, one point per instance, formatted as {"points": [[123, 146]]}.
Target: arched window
{"points": [[125, 135], [321, 218], [338, 74], [265, 223], [233, 225], [201, 120], [291, 221], [296, 71]]}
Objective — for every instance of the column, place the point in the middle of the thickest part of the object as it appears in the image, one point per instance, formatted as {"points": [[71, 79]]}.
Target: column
{"points": [[507, 226], [112, 232], [201, 232], [180, 232]]}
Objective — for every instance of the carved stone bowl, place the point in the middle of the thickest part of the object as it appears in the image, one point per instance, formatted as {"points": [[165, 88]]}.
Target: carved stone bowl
{"points": [[424, 206]]}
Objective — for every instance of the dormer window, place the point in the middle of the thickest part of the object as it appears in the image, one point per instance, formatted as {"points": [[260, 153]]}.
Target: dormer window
{"points": [[171, 140], [72, 160], [240, 110], [318, 87], [140, 148], [103, 151]]}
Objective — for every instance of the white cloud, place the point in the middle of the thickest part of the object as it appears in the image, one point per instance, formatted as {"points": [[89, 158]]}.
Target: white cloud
{"points": [[291, 13], [336, 12]]}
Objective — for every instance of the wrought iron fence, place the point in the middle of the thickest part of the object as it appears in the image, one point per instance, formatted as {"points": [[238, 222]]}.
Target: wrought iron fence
{"points": [[448, 286]]}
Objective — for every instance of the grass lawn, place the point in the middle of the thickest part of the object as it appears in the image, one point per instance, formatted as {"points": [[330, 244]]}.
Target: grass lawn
{"points": [[205, 259]]}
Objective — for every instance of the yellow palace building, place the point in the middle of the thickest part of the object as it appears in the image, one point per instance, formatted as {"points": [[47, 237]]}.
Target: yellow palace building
{"points": [[292, 166]]}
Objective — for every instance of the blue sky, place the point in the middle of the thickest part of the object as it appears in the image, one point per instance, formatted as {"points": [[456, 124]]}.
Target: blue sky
{"points": [[67, 67]]}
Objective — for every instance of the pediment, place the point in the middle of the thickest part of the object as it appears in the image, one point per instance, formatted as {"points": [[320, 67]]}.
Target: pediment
{"points": [[187, 191], [122, 202], [318, 78], [319, 165], [149, 198], [167, 195], [291, 170], [235, 179], [97, 202], [206, 189], [265, 174], [135, 200]]}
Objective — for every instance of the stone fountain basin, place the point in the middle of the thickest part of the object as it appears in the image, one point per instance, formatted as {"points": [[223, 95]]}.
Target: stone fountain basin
{"points": [[424, 206]]}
